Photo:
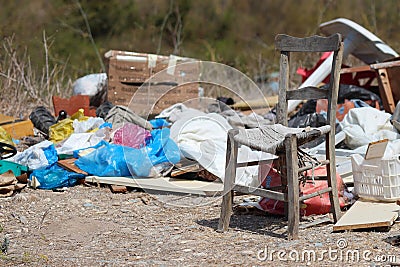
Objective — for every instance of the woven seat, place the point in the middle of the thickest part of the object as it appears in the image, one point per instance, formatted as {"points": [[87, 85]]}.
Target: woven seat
{"points": [[271, 138], [284, 141]]}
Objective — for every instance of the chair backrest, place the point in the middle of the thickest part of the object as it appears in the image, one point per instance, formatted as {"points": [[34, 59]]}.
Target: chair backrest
{"points": [[287, 44]]}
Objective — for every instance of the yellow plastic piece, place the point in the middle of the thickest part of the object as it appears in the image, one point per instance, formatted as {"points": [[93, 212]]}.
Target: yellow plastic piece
{"points": [[64, 128]]}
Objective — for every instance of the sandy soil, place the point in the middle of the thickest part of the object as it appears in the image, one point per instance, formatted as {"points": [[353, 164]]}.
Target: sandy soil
{"points": [[90, 226]]}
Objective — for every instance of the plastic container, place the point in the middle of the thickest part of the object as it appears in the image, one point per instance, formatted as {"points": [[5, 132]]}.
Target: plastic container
{"points": [[376, 179]]}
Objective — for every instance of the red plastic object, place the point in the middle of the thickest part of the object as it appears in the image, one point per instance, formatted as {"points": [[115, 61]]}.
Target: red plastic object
{"points": [[345, 78], [316, 205], [73, 104]]}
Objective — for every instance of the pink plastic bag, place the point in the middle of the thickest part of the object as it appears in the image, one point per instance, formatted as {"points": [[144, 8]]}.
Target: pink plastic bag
{"points": [[131, 135]]}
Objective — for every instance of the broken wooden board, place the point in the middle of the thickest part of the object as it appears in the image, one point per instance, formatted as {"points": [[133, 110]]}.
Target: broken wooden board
{"points": [[268, 102], [69, 164], [118, 188], [186, 169], [165, 184], [368, 214]]}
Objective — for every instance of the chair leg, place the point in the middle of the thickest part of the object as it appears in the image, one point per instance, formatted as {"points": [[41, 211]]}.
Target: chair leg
{"points": [[229, 182], [293, 187], [226, 212], [331, 174]]}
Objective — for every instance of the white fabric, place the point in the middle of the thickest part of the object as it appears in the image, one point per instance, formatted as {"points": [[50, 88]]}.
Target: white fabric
{"points": [[203, 138], [178, 111], [82, 140], [365, 125], [88, 125]]}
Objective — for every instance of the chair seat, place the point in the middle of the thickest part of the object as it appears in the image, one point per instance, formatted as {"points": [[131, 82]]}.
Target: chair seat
{"points": [[270, 138]]}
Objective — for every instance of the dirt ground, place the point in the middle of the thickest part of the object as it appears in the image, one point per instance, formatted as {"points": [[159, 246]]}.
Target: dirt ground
{"points": [[90, 226]]}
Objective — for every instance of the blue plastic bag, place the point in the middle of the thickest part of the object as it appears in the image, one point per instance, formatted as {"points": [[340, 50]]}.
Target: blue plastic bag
{"points": [[106, 160], [51, 154], [117, 160], [159, 149], [159, 123], [55, 177]]}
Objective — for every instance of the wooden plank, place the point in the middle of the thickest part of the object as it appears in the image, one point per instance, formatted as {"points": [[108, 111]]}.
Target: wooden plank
{"points": [[165, 184], [254, 163], [229, 180], [385, 90], [356, 69], [267, 102], [314, 43], [261, 192], [69, 164], [318, 193], [118, 188], [307, 93], [385, 65], [293, 186], [282, 107], [368, 214], [186, 169], [316, 222]]}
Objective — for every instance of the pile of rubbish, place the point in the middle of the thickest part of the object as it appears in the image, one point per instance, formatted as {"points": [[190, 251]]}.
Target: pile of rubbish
{"points": [[112, 142]]}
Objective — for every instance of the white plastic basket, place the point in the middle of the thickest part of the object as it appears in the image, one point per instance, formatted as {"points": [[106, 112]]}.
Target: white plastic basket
{"points": [[376, 179]]}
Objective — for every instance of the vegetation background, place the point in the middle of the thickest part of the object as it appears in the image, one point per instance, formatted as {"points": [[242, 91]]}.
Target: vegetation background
{"points": [[56, 41]]}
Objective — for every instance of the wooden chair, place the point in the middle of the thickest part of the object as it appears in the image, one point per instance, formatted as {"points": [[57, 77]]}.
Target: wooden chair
{"points": [[283, 141]]}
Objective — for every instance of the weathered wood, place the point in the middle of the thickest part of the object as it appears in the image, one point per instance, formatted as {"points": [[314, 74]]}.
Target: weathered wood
{"points": [[253, 163], [359, 216], [309, 167], [316, 222], [307, 93], [356, 69], [267, 102], [318, 193], [293, 187], [186, 169], [287, 163], [281, 108], [261, 192], [165, 184], [69, 164], [118, 188], [384, 65], [314, 43], [229, 181], [331, 176], [330, 137], [385, 90]]}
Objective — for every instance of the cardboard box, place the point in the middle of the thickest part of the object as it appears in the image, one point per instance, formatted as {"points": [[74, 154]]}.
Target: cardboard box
{"points": [[149, 83]]}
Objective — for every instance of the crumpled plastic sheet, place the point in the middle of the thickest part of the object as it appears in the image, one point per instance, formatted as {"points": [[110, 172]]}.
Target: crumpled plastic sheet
{"points": [[38, 156], [117, 160], [82, 140]]}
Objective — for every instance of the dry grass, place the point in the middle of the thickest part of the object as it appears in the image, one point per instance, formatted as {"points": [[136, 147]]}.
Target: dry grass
{"points": [[22, 87]]}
